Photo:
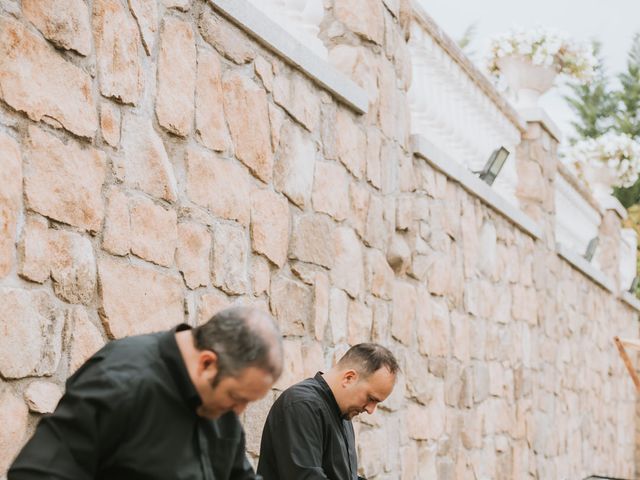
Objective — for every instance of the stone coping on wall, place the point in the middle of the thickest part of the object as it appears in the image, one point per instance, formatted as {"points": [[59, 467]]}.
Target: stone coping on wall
{"points": [[479, 78], [579, 187], [610, 203], [631, 300], [540, 116], [275, 38], [423, 148], [579, 263]]}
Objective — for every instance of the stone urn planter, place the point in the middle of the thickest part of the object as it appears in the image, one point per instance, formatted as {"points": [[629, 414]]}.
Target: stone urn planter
{"points": [[528, 60], [526, 81], [611, 160], [600, 178]]}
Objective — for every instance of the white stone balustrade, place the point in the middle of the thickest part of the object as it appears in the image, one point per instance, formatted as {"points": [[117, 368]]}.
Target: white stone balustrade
{"points": [[449, 109], [577, 221], [300, 18], [628, 252]]}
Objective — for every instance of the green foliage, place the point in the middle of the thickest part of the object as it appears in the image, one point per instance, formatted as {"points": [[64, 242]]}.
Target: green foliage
{"points": [[593, 103], [627, 117], [600, 109], [464, 42], [633, 221]]}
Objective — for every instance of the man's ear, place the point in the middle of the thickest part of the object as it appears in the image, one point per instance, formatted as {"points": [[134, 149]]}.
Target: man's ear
{"points": [[349, 377], [208, 363]]}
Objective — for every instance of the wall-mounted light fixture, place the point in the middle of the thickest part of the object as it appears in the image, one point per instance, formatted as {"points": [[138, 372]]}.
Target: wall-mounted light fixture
{"points": [[634, 284], [494, 165], [591, 249]]}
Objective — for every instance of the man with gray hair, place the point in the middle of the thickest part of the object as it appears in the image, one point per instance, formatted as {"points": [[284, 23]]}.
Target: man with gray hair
{"points": [[308, 433], [160, 406]]}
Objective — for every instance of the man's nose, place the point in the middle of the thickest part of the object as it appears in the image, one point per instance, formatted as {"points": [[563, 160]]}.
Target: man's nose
{"points": [[370, 408]]}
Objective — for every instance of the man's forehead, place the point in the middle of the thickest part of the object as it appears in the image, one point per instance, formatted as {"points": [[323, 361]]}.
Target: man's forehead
{"points": [[253, 376], [381, 381]]}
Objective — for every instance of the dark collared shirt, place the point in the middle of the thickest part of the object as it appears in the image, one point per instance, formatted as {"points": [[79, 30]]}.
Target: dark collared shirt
{"points": [[306, 437], [130, 413]]}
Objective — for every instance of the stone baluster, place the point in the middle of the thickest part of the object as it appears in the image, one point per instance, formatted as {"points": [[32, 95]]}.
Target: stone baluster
{"points": [[450, 110], [628, 251], [577, 222]]}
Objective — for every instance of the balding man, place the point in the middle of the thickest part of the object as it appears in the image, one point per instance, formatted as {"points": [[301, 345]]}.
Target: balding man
{"points": [[160, 406], [308, 433]]}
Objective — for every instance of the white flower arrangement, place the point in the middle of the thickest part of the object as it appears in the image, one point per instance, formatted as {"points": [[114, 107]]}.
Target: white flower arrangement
{"points": [[544, 47], [618, 152]]}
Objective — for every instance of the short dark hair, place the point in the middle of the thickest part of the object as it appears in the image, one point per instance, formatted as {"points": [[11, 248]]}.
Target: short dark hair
{"points": [[240, 341], [368, 358]]}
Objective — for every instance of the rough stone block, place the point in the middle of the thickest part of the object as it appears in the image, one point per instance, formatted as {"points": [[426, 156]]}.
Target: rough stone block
{"points": [[294, 168], [63, 22], [348, 269], [404, 312], [312, 240], [270, 225], [260, 275], [230, 258], [14, 417], [211, 126], [146, 14], [366, 18], [245, 107], [291, 303], [32, 340], [55, 90], [135, 300], [293, 368], [376, 233], [73, 266], [110, 123], [117, 51], [154, 233], [437, 342], [320, 315], [297, 96], [351, 144], [64, 182], [331, 190], [116, 236], [10, 201], [42, 396], [176, 77], [227, 39], [145, 165], [193, 254], [338, 314], [211, 303], [222, 186], [182, 5], [86, 338], [380, 276], [359, 198], [33, 250], [360, 322], [264, 70]]}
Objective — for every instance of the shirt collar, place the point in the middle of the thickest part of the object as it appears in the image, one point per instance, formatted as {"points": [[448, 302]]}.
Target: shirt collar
{"points": [[170, 354], [329, 396]]}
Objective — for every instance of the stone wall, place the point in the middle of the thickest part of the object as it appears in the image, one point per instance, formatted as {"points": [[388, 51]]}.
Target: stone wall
{"points": [[159, 164]]}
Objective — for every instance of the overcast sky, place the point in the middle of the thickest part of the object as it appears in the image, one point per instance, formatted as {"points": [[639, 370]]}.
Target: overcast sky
{"points": [[612, 22]]}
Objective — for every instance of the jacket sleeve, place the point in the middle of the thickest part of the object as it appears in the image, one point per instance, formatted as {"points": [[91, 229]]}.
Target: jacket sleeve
{"points": [[297, 437], [87, 423], [242, 469]]}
